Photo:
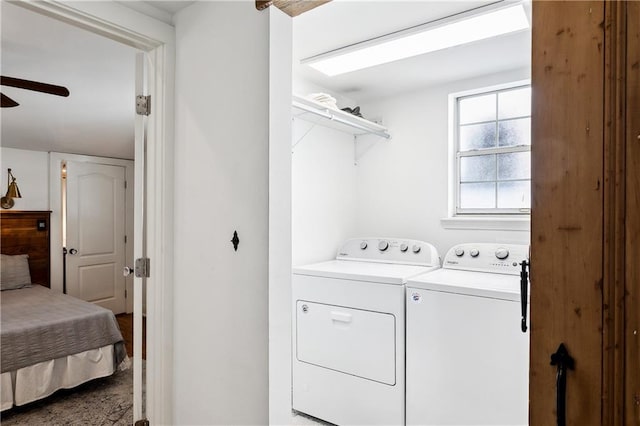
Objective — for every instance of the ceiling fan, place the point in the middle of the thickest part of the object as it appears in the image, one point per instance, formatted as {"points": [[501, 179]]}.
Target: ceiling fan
{"points": [[36, 86]]}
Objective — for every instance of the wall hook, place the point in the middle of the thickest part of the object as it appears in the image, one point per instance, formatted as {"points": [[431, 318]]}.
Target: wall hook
{"points": [[235, 240]]}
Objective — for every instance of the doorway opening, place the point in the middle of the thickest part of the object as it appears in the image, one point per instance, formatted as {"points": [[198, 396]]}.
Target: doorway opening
{"points": [[376, 150], [106, 22]]}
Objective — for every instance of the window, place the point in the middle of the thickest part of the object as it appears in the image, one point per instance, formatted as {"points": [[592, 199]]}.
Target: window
{"points": [[493, 151]]}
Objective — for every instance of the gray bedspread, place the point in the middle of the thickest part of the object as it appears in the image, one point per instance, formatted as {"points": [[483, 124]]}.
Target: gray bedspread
{"points": [[38, 324]]}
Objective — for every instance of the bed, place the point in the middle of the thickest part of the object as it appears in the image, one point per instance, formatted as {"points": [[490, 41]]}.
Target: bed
{"points": [[49, 340]]}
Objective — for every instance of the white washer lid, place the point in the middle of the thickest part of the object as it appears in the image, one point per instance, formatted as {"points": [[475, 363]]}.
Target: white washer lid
{"points": [[383, 273], [483, 284]]}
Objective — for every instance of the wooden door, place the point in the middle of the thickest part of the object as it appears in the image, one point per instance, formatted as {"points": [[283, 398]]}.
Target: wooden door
{"points": [[624, 396], [585, 220], [96, 233]]}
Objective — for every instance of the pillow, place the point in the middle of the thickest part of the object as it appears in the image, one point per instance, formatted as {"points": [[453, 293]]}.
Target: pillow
{"points": [[14, 272]]}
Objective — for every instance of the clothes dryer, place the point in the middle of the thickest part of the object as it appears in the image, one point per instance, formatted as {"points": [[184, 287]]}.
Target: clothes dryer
{"points": [[348, 331], [467, 358]]}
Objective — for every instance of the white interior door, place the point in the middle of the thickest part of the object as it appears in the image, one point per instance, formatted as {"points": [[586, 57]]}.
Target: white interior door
{"points": [[96, 233]]}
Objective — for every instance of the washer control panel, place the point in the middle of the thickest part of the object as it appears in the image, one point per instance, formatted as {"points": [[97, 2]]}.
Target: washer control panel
{"points": [[389, 250], [487, 257]]}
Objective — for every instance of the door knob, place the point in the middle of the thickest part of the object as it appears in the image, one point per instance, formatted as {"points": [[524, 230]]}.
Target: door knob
{"points": [[73, 251], [126, 271]]}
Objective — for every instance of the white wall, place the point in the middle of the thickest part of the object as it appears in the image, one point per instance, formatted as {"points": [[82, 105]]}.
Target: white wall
{"points": [[31, 170], [323, 184], [222, 184], [324, 192], [402, 183]]}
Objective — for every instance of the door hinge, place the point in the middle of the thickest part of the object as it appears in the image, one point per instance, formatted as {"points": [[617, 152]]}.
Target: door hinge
{"points": [[143, 267], [143, 422], [125, 184], [125, 293], [143, 104], [125, 239]]}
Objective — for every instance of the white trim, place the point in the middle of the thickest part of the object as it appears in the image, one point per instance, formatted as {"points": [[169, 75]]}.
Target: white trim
{"points": [[109, 19], [280, 134], [125, 25], [492, 223], [159, 223], [492, 88]]}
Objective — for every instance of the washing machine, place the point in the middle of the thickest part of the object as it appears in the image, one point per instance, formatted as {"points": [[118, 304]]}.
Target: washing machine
{"points": [[467, 357], [349, 331]]}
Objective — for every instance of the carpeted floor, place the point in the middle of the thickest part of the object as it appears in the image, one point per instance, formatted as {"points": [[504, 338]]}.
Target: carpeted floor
{"points": [[106, 401]]}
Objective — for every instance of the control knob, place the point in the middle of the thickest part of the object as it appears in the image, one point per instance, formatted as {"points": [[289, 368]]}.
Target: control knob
{"points": [[474, 252], [383, 245], [459, 252], [502, 253], [363, 245], [416, 248], [404, 247]]}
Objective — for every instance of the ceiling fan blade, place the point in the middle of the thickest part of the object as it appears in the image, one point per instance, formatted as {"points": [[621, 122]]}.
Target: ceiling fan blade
{"points": [[36, 86], [7, 102]]}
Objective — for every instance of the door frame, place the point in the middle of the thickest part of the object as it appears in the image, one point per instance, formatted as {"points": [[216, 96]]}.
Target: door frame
{"points": [[621, 158], [120, 23]]}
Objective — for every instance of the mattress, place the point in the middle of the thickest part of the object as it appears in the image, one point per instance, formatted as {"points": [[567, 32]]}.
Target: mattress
{"points": [[38, 324]]}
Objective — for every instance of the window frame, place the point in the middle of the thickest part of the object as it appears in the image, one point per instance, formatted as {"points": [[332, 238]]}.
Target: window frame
{"points": [[457, 154]]}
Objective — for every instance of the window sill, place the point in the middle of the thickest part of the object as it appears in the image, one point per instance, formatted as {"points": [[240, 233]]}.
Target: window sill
{"points": [[491, 223]]}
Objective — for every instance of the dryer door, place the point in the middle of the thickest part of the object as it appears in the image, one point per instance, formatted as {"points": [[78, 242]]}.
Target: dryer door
{"points": [[352, 341]]}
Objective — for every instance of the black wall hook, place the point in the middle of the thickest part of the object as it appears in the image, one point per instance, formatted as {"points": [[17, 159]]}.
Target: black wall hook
{"points": [[235, 240]]}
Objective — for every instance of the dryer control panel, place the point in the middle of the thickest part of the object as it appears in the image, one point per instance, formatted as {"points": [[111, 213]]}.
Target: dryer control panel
{"points": [[487, 257], [389, 250]]}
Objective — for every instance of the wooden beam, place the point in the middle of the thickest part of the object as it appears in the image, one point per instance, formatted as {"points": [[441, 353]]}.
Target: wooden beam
{"points": [[291, 7], [263, 4]]}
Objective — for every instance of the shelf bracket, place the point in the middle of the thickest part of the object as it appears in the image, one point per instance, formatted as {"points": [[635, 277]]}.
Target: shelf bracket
{"points": [[303, 136], [357, 157]]}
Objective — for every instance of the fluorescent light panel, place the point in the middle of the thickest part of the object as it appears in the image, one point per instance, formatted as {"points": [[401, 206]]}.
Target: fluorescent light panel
{"points": [[478, 27]]}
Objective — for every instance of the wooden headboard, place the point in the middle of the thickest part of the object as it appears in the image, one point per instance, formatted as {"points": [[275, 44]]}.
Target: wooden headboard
{"points": [[27, 232]]}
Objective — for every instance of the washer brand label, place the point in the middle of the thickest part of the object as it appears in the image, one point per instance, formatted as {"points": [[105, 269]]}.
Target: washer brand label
{"points": [[452, 262], [343, 254], [416, 297]]}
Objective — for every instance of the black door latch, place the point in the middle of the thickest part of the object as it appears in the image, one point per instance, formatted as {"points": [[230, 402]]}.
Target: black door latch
{"points": [[564, 361], [524, 297]]}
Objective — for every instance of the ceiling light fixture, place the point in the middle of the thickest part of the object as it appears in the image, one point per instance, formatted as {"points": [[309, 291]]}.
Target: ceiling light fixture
{"points": [[454, 31]]}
